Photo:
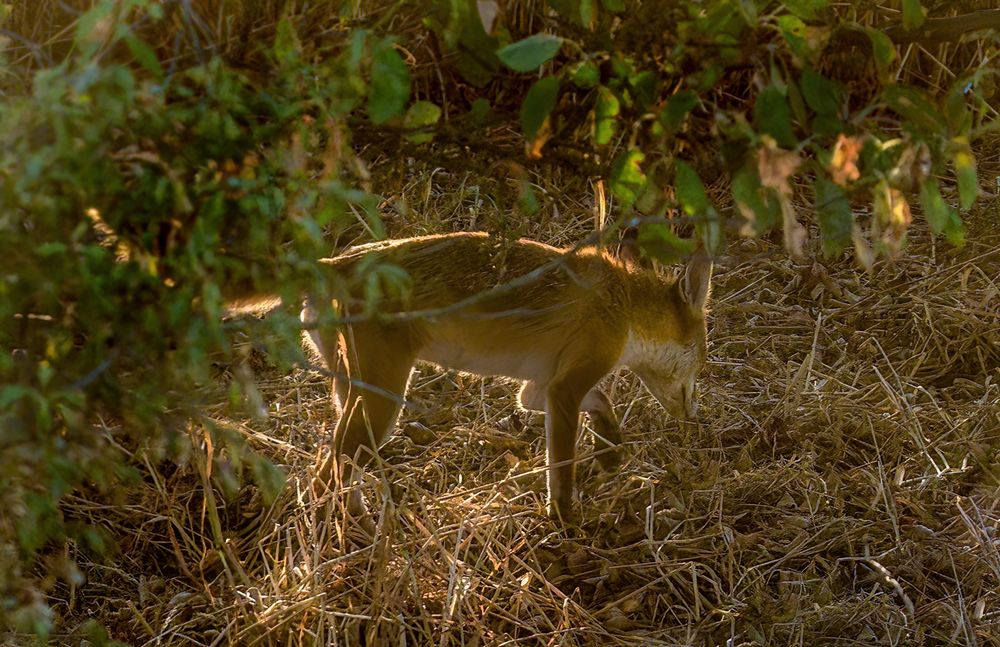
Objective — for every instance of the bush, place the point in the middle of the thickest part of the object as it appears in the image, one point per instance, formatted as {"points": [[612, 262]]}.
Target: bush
{"points": [[137, 196]]}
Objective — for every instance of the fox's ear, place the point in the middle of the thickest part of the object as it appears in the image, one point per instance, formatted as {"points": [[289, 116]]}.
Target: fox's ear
{"points": [[697, 279]]}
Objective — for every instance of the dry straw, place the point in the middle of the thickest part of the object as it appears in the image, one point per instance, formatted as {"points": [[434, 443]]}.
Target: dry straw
{"points": [[841, 486]]}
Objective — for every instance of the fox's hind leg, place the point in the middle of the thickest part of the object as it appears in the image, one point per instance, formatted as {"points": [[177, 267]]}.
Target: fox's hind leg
{"points": [[373, 363], [607, 431]]}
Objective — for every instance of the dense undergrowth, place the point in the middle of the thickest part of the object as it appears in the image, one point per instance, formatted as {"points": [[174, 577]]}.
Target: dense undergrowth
{"points": [[159, 158]]}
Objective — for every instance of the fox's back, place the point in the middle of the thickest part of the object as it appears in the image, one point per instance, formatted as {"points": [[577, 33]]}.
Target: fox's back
{"points": [[448, 269], [492, 305]]}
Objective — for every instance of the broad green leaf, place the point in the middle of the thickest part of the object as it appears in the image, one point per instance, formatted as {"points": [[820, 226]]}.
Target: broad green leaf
{"points": [[527, 199], [144, 55], [934, 206], [913, 14], [644, 88], [695, 203], [585, 75], [588, 12], [882, 47], [627, 178], [269, 478], [821, 94], [568, 9], [529, 53], [605, 116], [657, 240], [965, 171], [690, 191], [287, 47], [390, 84], [748, 11], [760, 213], [918, 113], [479, 111], [774, 117], [538, 104], [942, 218], [805, 9], [677, 108], [94, 27], [794, 32], [52, 248], [836, 220], [421, 116], [614, 6], [956, 113]]}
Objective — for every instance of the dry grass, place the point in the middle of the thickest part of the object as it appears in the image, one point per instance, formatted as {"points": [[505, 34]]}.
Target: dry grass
{"points": [[840, 487]]}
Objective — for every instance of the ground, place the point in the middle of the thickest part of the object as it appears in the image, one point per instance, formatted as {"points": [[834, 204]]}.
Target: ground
{"points": [[840, 487]]}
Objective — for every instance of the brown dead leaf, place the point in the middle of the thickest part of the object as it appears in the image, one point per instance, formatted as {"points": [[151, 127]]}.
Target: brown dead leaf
{"points": [[892, 217], [843, 167], [776, 166]]}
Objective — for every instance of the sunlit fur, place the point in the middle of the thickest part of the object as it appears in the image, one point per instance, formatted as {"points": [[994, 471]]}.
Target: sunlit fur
{"points": [[575, 318]]}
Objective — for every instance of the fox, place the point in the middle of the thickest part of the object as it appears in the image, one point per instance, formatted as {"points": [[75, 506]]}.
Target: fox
{"points": [[557, 320]]}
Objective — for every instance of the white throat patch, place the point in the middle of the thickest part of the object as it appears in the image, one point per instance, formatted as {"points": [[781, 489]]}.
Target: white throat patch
{"points": [[666, 357]]}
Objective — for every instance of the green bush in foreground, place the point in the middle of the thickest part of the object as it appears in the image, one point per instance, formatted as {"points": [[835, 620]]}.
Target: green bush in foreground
{"points": [[127, 202], [134, 199]]}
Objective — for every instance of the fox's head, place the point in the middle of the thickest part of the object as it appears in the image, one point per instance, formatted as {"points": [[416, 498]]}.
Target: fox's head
{"points": [[667, 346]]}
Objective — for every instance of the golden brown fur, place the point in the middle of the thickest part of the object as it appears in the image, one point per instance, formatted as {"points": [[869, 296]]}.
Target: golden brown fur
{"points": [[557, 320]]}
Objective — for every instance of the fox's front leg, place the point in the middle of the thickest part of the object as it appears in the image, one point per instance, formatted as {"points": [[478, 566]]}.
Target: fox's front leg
{"points": [[597, 405], [562, 420]]}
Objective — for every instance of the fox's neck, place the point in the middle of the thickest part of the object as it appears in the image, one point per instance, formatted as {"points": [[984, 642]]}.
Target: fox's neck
{"points": [[655, 321]]}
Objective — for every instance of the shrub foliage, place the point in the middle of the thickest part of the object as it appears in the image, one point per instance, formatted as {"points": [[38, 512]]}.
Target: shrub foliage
{"points": [[142, 185]]}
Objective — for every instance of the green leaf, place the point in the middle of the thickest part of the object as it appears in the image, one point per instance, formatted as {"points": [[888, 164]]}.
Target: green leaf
{"points": [[918, 113], [614, 6], [51, 248], [695, 203], [605, 116], [390, 84], [965, 171], [479, 112], [144, 55], [956, 113], [821, 94], [587, 13], [836, 220], [657, 240], [645, 86], [287, 47], [529, 53], [421, 116], [942, 218], [538, 104], [794, 32], [94, 27], [760, 213], [805, 9], [913, 14], [269, 478], [882, 47], [627, 179], [677, 108], [585, 75], [774, 117], [690, 191]]}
